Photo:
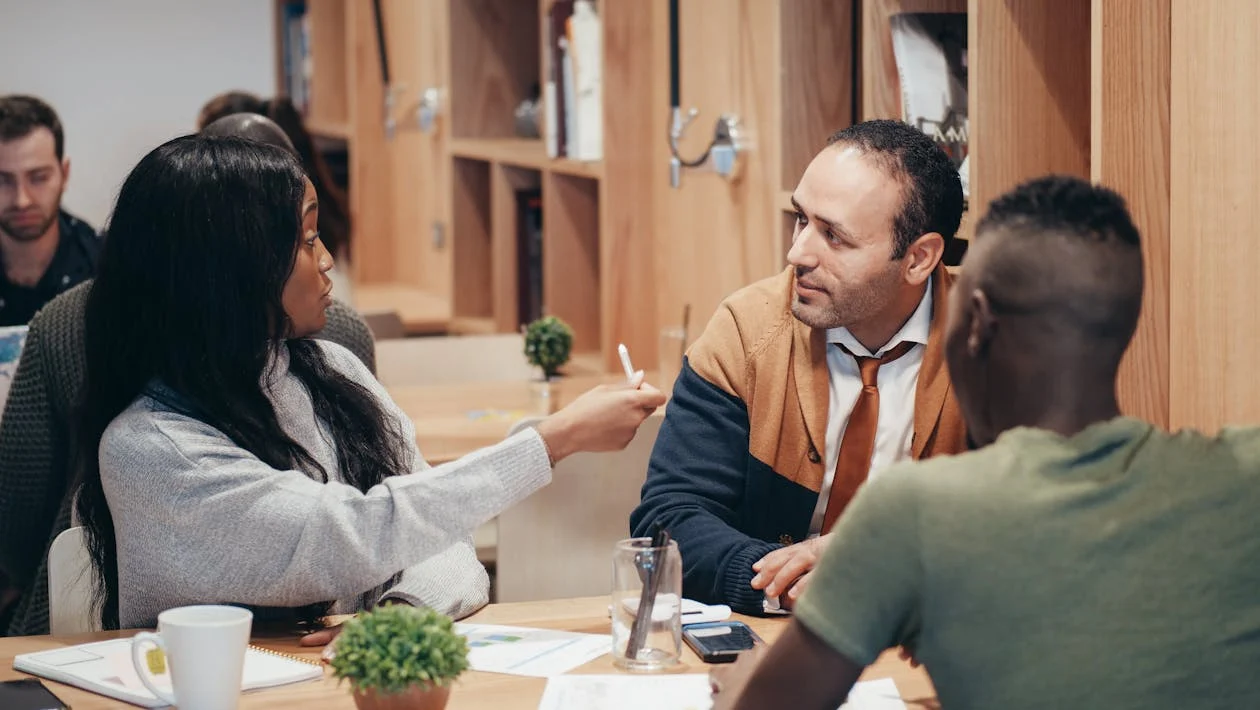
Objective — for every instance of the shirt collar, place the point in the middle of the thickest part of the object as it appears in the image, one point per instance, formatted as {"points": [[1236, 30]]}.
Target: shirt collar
{"points": [[915, 329]]}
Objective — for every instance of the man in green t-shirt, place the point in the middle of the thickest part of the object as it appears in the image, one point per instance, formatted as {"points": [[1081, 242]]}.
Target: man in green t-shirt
{"points": [[1080, 559]]}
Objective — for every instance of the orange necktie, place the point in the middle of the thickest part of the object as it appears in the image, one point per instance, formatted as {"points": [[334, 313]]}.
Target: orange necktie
{"points": [[858, 445]]}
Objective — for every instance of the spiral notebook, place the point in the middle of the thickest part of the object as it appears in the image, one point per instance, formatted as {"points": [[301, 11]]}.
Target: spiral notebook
{"points": [[105, 667]]}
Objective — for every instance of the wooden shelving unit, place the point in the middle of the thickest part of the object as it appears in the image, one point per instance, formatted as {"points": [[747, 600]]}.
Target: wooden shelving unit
{"points": [[1072, 86], [327, 107], [496, 61]]}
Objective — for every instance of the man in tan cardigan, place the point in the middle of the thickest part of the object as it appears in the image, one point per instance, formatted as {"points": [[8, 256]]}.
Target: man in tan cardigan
{"points": [[806, 383]]}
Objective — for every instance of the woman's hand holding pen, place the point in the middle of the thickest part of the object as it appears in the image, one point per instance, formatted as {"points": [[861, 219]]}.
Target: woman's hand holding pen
{"points": [[602, 419]]}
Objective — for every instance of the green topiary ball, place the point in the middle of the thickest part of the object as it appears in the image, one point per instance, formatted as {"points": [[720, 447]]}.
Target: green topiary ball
{"points": [[392, 648], [548, 344]]}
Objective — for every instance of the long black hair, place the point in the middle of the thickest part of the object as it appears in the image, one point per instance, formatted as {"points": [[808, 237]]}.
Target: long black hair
{"points": [[188, 295]]}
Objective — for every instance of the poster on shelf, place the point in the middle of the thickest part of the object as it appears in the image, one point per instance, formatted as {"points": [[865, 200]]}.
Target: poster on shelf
{"points": [[930, 49]]}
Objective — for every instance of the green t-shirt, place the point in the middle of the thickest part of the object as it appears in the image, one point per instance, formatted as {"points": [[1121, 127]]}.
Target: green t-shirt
{"points": [[1118, 568]]}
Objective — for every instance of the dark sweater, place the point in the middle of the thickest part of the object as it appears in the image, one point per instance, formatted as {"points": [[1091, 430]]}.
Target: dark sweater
{"points": [[738, 463]]}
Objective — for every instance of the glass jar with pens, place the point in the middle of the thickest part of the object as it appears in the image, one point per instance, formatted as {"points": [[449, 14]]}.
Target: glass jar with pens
{"points": [[647, 603]]}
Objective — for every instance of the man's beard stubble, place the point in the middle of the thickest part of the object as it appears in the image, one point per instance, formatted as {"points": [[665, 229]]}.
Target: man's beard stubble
{"points": [[28, 234]]}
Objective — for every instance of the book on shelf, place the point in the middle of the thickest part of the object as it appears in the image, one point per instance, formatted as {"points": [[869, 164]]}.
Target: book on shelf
{"points": [[930, 49], [295, 53], [529, 218], [573, 88], [554, 105]]}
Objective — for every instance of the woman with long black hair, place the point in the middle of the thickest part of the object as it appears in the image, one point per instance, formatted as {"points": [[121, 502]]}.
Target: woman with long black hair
{"points": [[227, 458]]}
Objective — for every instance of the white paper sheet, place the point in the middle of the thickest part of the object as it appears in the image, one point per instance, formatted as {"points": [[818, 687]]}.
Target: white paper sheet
{"points": [[879, 694], [678, 692], [519, 650]]}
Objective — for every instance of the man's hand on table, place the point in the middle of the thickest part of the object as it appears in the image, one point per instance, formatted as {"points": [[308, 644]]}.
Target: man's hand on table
{"points": [[784, 573]]}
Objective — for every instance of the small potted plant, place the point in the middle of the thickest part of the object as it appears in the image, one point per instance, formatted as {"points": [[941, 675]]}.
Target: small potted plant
{"points": [[399, 657], [548, 344]]}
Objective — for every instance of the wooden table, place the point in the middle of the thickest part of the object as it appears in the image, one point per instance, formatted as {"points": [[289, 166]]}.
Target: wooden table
{"points": [[474, 690], [454, 420]]}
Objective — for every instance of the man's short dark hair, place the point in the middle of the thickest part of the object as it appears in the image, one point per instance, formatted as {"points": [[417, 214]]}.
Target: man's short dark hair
{"points": [[19, 115], [1063, 204], [1067, 247], [933, 199]]}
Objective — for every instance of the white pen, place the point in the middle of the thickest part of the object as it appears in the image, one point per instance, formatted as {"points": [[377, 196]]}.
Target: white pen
{"points": [[625, 361]]}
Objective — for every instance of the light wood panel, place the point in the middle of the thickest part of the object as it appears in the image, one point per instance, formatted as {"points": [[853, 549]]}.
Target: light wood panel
{"points": [[471, 239], [816, 96], [371, 170], [571, 259], [1129, 153], [419, 199], [1214, 324], [405, 35], [1028, 92], [329, 76], [714, 236], [626, 201], [495, 48], [880, 84]]}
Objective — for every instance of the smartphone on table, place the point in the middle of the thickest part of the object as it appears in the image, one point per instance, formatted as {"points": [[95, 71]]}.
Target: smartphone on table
{"points": [[28, 694], [720, 641]]}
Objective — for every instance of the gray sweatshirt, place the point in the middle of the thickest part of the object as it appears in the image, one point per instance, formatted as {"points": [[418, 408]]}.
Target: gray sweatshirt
{"points": [[200, 520]]}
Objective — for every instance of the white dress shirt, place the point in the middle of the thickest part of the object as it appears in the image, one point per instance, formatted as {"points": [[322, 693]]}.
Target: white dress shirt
{"points": [[897, 380]]}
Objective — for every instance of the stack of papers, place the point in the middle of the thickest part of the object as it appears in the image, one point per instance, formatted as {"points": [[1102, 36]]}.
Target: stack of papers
{"points": [[679, 692], [518, 650]]}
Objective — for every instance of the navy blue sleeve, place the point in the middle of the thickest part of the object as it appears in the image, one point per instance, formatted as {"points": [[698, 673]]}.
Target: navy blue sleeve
{"points": [[695, 488]]}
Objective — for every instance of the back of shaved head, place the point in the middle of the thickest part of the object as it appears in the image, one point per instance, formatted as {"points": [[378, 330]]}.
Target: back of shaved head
{"points": [[251, 126], [1044, 309], [1064, 254]]}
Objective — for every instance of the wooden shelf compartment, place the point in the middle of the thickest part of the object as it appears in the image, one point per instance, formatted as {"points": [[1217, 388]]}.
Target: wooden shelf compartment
{"points": [[816, 51], [571, 245], [1028, 92], [880, 89], [495, 47], [484, 239], [507, 182], [470, 239]]}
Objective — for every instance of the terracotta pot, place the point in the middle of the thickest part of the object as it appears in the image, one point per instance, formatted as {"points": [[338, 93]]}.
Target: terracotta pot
{"points": [[419, 697]]}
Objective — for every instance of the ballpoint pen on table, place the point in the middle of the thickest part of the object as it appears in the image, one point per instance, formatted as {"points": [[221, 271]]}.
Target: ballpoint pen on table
{"points": [[651, 561]]}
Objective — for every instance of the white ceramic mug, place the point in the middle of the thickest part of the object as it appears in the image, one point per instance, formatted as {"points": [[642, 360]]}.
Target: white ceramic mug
{"points": [[205, 655]]}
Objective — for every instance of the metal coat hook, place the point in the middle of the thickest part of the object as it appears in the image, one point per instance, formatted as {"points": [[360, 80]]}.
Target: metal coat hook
{"points": [[391, 97], [423, 114], [722, 152], [429, 109]]}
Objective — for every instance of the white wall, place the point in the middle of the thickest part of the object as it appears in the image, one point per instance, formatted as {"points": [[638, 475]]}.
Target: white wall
{"points": [[126, 75]]}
